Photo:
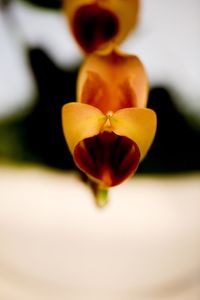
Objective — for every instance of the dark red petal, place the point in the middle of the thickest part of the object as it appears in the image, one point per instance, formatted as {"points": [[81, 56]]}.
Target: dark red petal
{"points": [[107, 157], [94, 26]]}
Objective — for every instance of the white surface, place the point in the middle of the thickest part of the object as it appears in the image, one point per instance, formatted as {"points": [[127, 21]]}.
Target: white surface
{"points": [[55, 244]]}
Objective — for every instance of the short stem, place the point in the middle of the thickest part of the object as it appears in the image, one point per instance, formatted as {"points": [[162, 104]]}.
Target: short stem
{"points": [[101, 197], [100, 193]]}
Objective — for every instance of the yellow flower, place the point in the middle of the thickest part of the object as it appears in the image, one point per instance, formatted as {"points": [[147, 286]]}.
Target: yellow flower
{"points": [[108, 130], [94, 23]]}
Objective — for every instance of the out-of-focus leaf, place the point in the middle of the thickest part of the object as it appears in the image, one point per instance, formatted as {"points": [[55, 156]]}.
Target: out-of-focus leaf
{"points": [[54, 4]]}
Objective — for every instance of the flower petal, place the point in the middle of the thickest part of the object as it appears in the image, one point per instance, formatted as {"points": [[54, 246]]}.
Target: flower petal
{"points": [[95, 23], [112, 80], [80, 121], [138, 124], [107, 158]]}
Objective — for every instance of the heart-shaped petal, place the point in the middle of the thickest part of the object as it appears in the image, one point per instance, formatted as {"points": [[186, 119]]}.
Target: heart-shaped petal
{"points": [[137, 124], [80, 121]]}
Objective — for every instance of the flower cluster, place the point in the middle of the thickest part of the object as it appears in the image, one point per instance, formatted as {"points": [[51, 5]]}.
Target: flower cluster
{"points": [[109, 129]]}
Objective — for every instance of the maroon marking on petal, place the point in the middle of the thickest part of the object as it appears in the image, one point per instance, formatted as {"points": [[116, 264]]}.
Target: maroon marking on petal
{"points": [[127, 97], [107, 157], [98, 93], [94, 26]]}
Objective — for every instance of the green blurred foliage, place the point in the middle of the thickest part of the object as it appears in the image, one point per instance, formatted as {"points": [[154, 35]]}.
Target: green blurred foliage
{"points": [[13, 146]]}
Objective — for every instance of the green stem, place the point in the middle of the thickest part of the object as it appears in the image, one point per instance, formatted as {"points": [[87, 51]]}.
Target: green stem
{"points": [[101, 197]]}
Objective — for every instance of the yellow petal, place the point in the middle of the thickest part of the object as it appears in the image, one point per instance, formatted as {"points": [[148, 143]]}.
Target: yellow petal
{"points": [[95, 23], [80, 121], [138, 124], [112, 81]]}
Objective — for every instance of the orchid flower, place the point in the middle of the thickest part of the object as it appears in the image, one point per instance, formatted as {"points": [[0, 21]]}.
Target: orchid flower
{"points": [[94, 23], [109, 130]]}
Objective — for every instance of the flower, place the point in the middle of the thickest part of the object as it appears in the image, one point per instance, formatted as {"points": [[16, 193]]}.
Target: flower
{"points": [[95, 23], [108, 130]]}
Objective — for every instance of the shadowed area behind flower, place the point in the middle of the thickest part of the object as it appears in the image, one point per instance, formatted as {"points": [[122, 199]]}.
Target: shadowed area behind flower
{"points": [[54, 4], [38, 138]]}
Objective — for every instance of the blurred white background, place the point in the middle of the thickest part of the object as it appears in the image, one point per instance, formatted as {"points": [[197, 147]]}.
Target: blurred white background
{"points": [[54, 243]]}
